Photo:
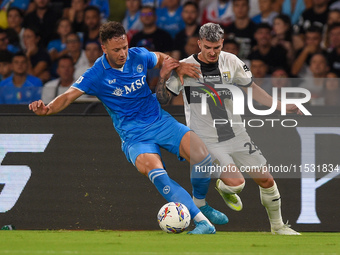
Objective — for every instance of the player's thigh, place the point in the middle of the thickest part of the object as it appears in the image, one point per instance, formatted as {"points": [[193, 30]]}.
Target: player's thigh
{"points": [[224, 165], [247, 156], [145, 156], [192, 148]]}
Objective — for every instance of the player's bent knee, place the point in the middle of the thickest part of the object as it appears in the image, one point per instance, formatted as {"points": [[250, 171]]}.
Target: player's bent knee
{"points": [[266, 182], [147, 162]]}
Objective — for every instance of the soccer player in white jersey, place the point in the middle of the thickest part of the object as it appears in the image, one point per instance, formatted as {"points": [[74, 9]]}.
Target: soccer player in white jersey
{"points": [[118, 79], [229, 145]]}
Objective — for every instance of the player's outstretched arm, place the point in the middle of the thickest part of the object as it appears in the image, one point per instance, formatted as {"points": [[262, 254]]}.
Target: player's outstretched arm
{"points": [[57, 105], [264, 98]]}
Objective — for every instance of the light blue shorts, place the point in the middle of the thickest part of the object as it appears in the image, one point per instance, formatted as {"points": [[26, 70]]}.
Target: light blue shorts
{"points": [[165, 132]]}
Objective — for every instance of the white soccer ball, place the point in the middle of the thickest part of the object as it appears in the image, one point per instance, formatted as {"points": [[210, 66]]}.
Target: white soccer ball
{"points": [[173, 217]]}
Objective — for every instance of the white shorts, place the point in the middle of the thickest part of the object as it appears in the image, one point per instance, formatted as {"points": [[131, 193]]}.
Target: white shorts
{"points": [[240, 151]]}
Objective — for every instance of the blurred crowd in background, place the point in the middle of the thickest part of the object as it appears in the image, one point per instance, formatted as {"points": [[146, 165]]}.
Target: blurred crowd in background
{"points": [[46, 45]]}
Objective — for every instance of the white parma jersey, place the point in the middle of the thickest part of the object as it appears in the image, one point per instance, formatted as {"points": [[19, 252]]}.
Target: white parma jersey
{"points": [[219, 123]]}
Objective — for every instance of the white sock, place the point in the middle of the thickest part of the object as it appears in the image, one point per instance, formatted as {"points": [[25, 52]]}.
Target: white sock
{"points": [[200, 216], [199, 202], [271, 200], [230, 189]]}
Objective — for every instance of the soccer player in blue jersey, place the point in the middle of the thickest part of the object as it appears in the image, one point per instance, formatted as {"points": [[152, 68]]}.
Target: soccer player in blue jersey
{"points": [[118, 79]]}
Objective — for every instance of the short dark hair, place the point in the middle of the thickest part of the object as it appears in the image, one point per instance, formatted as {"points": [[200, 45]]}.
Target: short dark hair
{"points": [[66, 57], [110, 30], [191, 3], [21, 13], [231, 41], [334, 25], [314, 29], [92, 8], [263, 26], [153, 9], [20, 54]]}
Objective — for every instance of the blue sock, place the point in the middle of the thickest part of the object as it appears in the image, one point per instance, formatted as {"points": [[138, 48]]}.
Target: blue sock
{"points": [[200, 178], [171, 190]]}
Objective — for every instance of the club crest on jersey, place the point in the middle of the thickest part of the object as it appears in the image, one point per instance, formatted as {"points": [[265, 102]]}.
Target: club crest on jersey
{"points": [[118, 92], [226, 77], [140, 68]]}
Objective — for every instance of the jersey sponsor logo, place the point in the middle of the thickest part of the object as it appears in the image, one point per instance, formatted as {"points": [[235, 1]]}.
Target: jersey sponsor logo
{"points": [[112, 81], [118, 92], [80, 79], [127, 89], [210, 94], [140, 68], [135, 85]]}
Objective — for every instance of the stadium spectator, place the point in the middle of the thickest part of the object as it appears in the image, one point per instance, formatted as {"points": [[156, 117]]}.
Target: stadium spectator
{"points": [[334, 56], [231, 46], [5, 64], [227, 142], [333, 17], [267, 13], [92, 24], [314, 16], [259, 69], [65, 71], [15, 31], [131, 21], [73, 46], [242, 29], [21, 87], [189, 14], [104, 8], [283, 36], [151, 37], [3, 40], [169, 17], [273, 56], [332, 90], [39, 61], [316, 81], [139, 120], [92, 52], [312, 45], [57, 48], [294, 9], [42, 18], [75, 14], [218, 11]]}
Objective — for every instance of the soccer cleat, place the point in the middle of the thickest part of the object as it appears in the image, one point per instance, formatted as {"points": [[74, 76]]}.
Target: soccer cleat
{"points": [[202, 227], [232, 200], [285, 230], [216, 217]]}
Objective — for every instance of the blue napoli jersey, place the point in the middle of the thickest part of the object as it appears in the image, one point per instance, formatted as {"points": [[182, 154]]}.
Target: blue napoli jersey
{"points": [[124, 93], [30, 91]]}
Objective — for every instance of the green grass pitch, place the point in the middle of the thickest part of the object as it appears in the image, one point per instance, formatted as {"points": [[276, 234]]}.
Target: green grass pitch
{"points": [[158, 242]]}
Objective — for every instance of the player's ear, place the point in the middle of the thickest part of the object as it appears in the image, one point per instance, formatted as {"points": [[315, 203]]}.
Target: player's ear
{"points": [[103, 48], [199, 44]]}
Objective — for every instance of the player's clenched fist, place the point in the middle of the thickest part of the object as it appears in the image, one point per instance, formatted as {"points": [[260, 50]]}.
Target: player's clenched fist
{"points": [[38, 107]]}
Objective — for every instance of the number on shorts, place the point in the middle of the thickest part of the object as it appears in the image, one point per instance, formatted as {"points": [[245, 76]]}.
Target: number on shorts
{"points": [[251, 146]]}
